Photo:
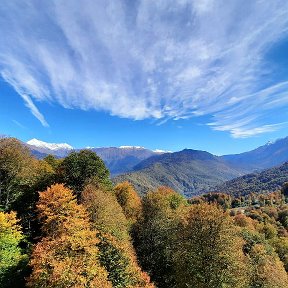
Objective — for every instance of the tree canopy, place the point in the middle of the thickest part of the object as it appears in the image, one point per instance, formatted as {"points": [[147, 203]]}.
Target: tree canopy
{"points": [[11, 255], [67, 256], [78, 168]]}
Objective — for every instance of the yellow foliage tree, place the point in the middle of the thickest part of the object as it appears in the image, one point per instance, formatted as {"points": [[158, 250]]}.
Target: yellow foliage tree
{"points": [[67, 256], [280, 245], [116, 250], [129, 200], [154, 234], [268, 270], [209, 252], [10, 253]]}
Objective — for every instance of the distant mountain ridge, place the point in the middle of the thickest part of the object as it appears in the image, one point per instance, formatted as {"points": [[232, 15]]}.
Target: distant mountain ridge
{"points": [[123, 159], [40, 149], [188, 172], [195, 173], [51, 146], [118, 159], [266, 156]]}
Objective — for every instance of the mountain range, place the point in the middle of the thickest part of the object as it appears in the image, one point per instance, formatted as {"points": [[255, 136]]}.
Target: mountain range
{"points": [[266, 156], [190, 172], [118, 159]]}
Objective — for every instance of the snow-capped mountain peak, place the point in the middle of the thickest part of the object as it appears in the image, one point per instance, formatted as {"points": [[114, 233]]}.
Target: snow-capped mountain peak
{"points": [[131, 147], [51, 146], [269, 143], [161, 151]]}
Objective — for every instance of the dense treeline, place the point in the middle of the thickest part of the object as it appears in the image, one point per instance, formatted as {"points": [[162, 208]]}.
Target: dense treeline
{"points": [[63, 224]]}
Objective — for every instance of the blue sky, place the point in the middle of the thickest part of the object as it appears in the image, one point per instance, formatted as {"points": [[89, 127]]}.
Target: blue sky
{"points": [[205, 74]]}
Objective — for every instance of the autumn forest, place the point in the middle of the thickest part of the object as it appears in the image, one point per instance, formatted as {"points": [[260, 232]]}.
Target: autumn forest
{"points": [[63, 223]]}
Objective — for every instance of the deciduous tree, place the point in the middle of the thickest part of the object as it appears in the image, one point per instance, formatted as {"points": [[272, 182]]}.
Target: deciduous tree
{"points": [[15, 171], [67, 256], [129, 200], [209, 252], [11, 255], [268, 270], [78, 168], [280, 245], [154, 234], [116, 251]]}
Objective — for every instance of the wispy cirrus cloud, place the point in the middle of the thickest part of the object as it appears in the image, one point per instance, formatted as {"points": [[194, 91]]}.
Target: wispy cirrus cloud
{"points": [[149, 59], [19, 124]]}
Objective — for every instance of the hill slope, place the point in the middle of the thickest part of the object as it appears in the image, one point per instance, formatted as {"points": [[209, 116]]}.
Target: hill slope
{"points": [[123, 159], [189, 172], [269, 180]]}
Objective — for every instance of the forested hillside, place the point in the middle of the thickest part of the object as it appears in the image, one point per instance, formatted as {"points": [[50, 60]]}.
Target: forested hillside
{"points": [[193, 172], [263, 182], [64, 224], [189, 172]]}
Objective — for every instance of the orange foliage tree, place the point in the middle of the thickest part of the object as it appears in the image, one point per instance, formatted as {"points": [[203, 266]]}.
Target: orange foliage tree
{"points": [[67, 256]]}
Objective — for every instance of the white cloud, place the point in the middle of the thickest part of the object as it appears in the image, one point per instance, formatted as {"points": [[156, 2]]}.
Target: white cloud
{"points": [[149, 59], [189, 74], [239, 133], [27, 99], [34, 110]]}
